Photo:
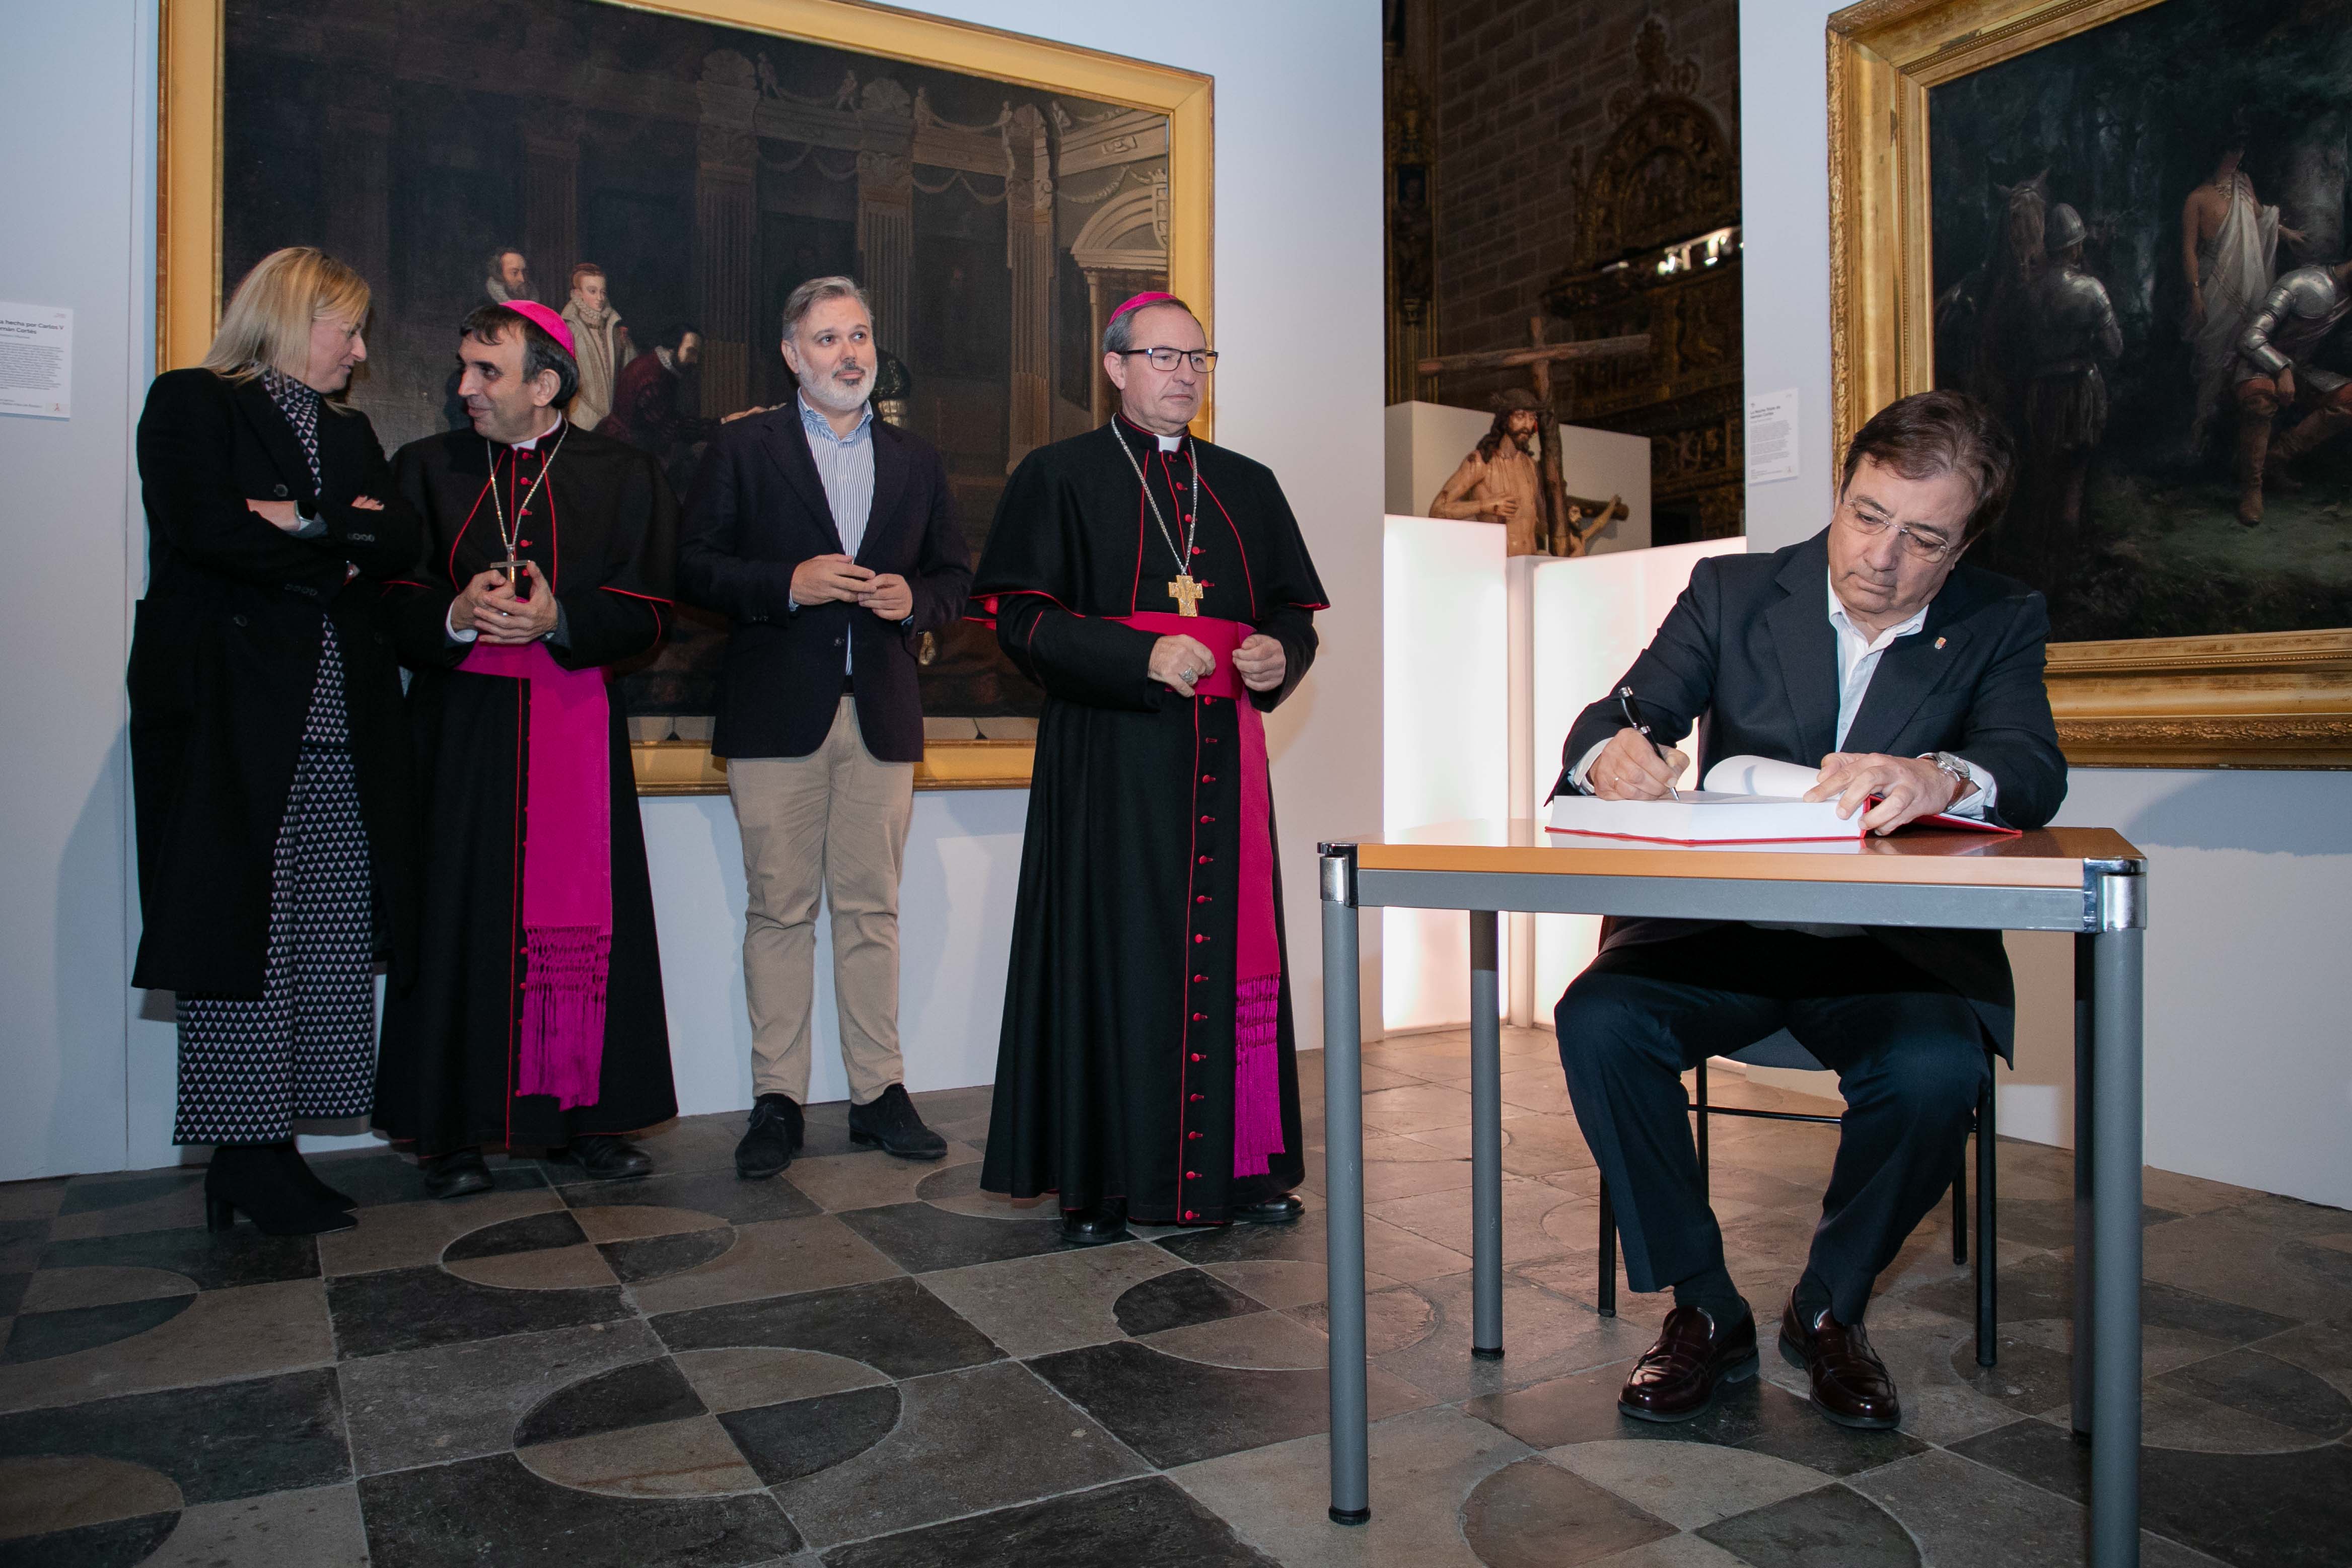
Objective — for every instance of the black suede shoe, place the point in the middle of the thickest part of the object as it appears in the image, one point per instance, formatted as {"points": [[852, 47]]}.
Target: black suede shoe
{"points": [[297, 1171], [773, 1139], [1282, 1209], [455, 1175], [251, 1178], [889, 1123], [609, 1157], [1099, 1223]]}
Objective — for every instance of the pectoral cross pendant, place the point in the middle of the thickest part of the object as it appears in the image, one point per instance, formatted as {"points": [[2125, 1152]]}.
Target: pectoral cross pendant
{"points": [[1187, 595]]}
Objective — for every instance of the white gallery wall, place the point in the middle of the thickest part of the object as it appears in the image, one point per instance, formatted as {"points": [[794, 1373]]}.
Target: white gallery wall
{"points": [[2248, 990], [1298, 319]]}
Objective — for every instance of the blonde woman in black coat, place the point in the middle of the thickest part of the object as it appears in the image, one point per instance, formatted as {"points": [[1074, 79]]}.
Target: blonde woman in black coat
{"points": [[269, 759]]}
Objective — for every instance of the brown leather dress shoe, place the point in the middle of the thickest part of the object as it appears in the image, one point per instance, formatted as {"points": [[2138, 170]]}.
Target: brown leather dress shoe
{"points": [[1677, 1378], [1851, 1386]]}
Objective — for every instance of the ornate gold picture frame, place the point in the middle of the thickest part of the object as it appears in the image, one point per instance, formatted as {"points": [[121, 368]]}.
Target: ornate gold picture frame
{"points": [[2272, 699], [189, 223]]}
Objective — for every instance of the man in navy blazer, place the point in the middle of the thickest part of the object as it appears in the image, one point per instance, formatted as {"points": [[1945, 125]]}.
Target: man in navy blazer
{"points": [[1914, 683], [830, 540]]}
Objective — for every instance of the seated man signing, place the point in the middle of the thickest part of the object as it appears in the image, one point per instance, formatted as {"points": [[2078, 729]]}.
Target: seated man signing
{"points": [[1912, 681]]}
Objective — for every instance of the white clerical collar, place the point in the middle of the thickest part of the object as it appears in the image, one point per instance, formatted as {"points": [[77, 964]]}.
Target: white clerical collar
{"points": [[526, 446], [1166, 443]]}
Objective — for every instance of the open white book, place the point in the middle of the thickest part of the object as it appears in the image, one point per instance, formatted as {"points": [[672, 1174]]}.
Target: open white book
{"points": [[1747, 800]]}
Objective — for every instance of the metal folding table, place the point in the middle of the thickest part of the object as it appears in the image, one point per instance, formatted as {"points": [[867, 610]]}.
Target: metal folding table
{"points": [[2088, 881]]}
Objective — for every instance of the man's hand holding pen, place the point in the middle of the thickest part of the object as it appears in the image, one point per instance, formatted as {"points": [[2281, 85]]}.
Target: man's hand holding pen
{"points": [[1637, 766], [1631, 767]]}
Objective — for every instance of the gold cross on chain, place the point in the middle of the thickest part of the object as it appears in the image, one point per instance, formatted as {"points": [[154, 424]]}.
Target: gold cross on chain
{"points": [[1187, 595]]}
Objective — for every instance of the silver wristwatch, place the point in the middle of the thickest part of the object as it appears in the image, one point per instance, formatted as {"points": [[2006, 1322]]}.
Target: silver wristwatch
{"points": [[1951, 763]]}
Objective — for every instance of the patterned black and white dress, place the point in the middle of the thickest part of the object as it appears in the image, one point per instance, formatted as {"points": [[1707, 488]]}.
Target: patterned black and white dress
{"points": [[306, 1047]]}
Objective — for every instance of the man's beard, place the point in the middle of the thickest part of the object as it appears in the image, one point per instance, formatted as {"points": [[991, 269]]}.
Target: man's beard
{"points": [[832, 394]]}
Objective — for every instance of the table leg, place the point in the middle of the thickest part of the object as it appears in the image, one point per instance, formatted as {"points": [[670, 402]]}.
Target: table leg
{"points": [[1343, 1206], [2085, 1141], [1486, 1142], [2116, 1271]]}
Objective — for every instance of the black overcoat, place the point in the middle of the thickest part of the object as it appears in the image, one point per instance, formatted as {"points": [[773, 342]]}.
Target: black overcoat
{"points": [[1748, 654], [756, 511], [1115, 1064], [603, 531], [223, 659]]}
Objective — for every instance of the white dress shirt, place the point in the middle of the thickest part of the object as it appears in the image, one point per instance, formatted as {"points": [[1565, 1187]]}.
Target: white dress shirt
{"points": [[845, 466]]}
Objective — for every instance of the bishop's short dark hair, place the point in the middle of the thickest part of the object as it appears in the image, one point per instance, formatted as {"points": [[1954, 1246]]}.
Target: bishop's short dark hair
{"points": [[492, 323], [1942, 432]]}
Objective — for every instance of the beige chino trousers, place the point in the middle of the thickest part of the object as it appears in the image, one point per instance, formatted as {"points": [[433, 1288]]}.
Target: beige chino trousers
{"points": [[832, 823]]}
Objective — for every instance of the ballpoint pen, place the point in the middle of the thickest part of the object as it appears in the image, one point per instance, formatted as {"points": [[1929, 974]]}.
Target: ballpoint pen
{"points": [[1625, 706]]}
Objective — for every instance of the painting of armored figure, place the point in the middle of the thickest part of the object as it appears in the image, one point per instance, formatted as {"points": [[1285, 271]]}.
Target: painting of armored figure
{"points": [[2140, 259], [604, 158]]}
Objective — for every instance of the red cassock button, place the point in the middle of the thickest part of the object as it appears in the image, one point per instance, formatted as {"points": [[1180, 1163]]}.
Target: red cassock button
{"points": [[1198, 1097], [1200, 898], [1200, 939], [1189, 1214], [1200, 1018], [1204, 859], [1193, 1175], [1198, 1056], [1208, 778], [1191, 1134]]}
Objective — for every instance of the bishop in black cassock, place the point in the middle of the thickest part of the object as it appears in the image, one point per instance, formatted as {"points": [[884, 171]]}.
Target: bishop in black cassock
{"points": [[1146, 1065], [529, 1022]]}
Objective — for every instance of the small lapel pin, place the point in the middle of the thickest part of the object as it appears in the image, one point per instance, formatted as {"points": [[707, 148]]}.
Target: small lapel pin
{"points": [[1939, 642]]}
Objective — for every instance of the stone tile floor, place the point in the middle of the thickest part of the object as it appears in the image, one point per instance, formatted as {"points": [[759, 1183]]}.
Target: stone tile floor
{"points": [[871, 1364]]}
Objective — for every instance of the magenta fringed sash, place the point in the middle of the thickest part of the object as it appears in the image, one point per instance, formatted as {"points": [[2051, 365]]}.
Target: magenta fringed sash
{"points": [[567, 872], [1257, 954]]}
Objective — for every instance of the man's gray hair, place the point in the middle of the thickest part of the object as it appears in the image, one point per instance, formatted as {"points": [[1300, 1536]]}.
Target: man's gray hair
{"points": [[815, 291], [1118, 332]]}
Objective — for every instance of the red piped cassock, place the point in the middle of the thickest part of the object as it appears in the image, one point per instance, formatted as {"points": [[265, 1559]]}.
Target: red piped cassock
{"points": [[603, 530], [1147, 1050]]}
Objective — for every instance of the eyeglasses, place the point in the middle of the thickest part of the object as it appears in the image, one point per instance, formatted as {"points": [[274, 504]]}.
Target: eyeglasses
{"points": [[1927, 548], [1202, 360]]}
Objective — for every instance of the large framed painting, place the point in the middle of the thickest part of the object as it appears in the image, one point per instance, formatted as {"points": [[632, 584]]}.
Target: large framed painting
{"points": [[996, 195], [2123, 224]]}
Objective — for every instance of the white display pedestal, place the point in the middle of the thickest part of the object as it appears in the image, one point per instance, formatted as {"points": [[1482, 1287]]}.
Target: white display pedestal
{"points": [[1576, 626], [1445, 732], [1487, 660]]}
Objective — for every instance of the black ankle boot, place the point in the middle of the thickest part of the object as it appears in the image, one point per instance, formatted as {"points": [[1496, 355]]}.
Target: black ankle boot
{"points": [[252, 1178], [297, 1171]]}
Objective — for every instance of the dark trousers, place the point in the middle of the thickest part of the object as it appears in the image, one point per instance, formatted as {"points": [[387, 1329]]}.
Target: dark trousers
{"points": [[1909, 1054]]}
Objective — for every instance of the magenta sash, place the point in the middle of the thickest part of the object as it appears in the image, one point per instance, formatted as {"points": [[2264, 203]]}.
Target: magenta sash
{"points": [[566, 843], [1257, 952]]}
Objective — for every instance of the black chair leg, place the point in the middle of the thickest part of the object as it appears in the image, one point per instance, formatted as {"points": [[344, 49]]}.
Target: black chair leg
{"points": [[1702, 1124], [1608, 1254], [1988, 1306], [1960, 1208]]}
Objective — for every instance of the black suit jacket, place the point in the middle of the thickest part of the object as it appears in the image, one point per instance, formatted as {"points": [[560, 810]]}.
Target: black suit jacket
{"points": [[222, 661], [756, 510], [1748, 654]]}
